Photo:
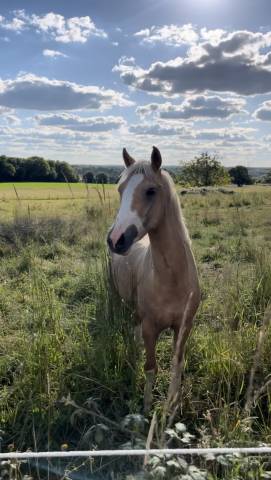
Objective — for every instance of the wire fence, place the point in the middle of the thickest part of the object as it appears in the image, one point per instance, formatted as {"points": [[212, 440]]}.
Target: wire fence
{"points": [[139, 452]]}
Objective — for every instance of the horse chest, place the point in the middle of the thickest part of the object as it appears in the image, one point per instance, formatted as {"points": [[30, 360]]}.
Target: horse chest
{"points": [[164, 307]]}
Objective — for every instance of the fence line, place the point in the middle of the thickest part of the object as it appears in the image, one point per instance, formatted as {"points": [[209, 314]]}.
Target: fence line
{"points": [[139, 452]]}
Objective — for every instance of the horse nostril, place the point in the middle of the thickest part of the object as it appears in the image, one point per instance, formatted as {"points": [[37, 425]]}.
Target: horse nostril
{"points": [[121, 242]]}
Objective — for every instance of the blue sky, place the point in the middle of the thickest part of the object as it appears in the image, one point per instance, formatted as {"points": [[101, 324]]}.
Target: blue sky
{"points": [[80, 80]]}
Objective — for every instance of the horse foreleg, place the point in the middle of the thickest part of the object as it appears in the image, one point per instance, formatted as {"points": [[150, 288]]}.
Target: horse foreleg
{"points": [[149, 338], [181, 335]]}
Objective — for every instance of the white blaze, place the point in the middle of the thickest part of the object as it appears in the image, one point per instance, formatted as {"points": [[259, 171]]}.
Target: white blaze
{"points": [[126, 216]]}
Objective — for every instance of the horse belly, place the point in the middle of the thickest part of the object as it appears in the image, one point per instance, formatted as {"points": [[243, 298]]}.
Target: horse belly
{"points": [[162, 309]]}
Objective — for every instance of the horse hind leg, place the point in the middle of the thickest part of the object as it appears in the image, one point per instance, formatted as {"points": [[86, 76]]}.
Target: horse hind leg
{"points": [[149, 338]]}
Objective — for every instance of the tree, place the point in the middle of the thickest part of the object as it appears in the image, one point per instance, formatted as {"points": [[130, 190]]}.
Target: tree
{"points": [[101, 178], [66, 173], [37, 169], [267, 177], [240, 176], [7, 170], [204, 170], [88, 177], [52, 177], [19, 166]]}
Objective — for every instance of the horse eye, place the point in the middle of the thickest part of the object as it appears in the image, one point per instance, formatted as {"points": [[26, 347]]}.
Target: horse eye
{"points": [[150, 192]]}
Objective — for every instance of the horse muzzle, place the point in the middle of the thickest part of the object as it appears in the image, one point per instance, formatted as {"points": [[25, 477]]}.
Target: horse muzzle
{"points": [[122, 244]]}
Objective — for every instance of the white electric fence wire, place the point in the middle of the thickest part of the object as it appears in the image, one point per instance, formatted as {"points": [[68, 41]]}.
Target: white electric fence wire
{"points": [[137, 453]]}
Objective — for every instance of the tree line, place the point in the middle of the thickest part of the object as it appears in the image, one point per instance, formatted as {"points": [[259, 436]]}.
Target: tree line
{"points": [[35, 169], [203, 170]]}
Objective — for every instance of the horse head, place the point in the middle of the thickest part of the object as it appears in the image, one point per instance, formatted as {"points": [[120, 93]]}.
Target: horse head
{"points": [[141, 202]]}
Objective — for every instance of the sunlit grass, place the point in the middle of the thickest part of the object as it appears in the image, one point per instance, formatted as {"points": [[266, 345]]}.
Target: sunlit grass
{"points": [[65, 334]]}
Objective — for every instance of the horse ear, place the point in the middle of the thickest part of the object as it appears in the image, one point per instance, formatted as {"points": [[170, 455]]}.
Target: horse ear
{"points": [[156, 159], [128, 160]]}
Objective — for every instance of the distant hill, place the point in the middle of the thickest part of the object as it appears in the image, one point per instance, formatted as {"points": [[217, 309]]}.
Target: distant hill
{"points": [[256, 172], [113, 172]]}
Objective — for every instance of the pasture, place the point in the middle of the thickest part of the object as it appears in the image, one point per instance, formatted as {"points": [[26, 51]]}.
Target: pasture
{"points": [[38, 197], [70, 371]]}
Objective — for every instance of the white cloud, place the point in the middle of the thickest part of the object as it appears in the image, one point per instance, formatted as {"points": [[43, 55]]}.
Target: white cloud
{"points": [[124, 61], [143, 33], [12, 119], [149, 108], [212, 36], [264, 112], [29, 91], [230, 134], [53, 53], [41, 136], [55, 26], [237, 62], [156, 130], [15, 24], [196, 106], [81, 124], [8, 116], [173, 35], [5, 110], [216, 135]]}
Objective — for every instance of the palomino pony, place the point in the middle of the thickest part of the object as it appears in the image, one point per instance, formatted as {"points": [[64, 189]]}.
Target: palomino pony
{"points": [[151, 258]]}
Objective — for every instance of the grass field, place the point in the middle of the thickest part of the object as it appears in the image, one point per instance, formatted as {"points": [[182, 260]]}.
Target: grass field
{"points": [[70, 372], [39, 196]]}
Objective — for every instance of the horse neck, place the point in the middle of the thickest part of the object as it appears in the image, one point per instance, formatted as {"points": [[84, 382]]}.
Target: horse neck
{"points": [[170, 244]]}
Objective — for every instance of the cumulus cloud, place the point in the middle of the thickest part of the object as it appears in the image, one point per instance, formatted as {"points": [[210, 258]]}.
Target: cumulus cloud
{"points": [[230, 135], [156, 130], [213, 35], [125, 63], [55, 26], [53, 53], [237, 62], [196, 106], [12, 119], [81, 124], [15, 24], [169, 35], [178, 35], [5, 110], [215, 135], [148, 109], [40, 136], [9, 117], [32, 92], [264, 112]]}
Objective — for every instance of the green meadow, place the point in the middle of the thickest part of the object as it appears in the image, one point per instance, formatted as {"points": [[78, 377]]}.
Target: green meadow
{"points": [[39, 197], [71, 374]]}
